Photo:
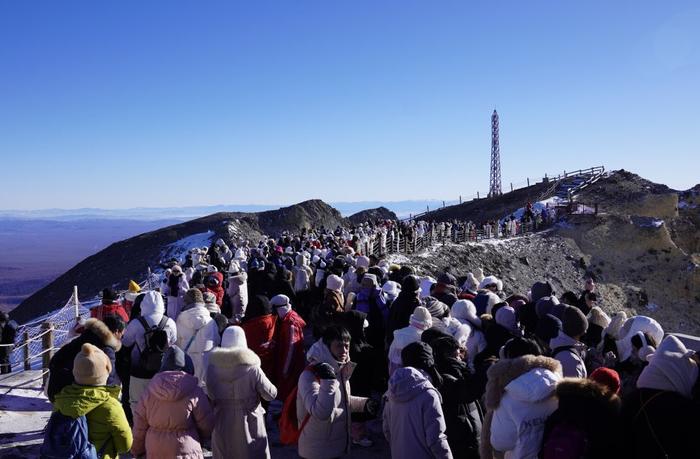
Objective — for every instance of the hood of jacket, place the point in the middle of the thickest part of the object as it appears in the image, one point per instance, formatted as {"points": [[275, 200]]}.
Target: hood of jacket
{"points": [[152, 304], [408, 383], [196, 317], [563, 339], [100, 330], [533, 386], [505, 371], [172, 385], [407, 335], [76, 400], [579, 392], [319, 353], [234, 362]]}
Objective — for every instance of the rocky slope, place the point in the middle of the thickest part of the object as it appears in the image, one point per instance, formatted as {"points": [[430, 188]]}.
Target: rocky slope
{"points": [[372, 215]]}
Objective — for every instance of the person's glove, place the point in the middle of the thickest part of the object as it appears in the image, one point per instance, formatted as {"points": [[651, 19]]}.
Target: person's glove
{"points": [[324, 371], [372, 407]]}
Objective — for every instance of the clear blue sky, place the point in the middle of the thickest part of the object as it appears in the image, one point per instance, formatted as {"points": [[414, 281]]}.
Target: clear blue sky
{"points": [[162, 103]]}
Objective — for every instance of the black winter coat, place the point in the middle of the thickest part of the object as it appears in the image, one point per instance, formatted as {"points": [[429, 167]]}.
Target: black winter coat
{"points": [[61, 364], [668, 423], [460, 393]]}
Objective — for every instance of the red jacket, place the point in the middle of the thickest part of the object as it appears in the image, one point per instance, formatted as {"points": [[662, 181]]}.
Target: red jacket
{"points": [[111, 309], [260, 333], [218, 291], [290, 359]]}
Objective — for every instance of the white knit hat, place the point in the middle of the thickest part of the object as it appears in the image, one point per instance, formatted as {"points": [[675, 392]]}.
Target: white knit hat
{"points": [[335, 283], [233, 336], [391, 288], [421, 318], [598, 317], [362, 262], [505, 317]]}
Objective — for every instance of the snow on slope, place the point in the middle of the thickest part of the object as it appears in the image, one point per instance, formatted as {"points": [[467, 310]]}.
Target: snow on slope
{"points": [[179, 248]]}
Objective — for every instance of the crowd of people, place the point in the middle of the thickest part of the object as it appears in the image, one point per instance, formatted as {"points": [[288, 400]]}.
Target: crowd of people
{"points": [[449, 366]]}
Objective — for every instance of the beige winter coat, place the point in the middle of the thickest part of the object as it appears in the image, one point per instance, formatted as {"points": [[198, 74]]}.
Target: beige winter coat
{"points": [[235, 384], [327, 434]]}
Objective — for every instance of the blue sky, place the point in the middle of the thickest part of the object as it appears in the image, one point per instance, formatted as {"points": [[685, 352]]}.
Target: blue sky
{"points": [[171, 103]]}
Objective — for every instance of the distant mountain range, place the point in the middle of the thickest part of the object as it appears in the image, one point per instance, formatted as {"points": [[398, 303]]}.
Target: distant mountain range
{"points": [[400, 208]]}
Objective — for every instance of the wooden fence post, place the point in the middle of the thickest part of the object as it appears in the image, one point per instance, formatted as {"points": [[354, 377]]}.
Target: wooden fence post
{"points": [[27, 363], [46, 348]]}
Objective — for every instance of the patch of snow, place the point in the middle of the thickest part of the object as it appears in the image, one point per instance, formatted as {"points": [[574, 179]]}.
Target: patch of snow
{"points": [[686, 205], [179, 248], [537, 207], [652, 307], [398, 258]]}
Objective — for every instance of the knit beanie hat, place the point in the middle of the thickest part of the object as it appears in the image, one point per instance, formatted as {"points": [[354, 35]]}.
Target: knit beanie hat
{"points": [[175, 359], [334, 283], [574, 323], [599, 317], [670, 368], [91, 366], [109, 296], [548, 327], [391, 288], [233, 337], [410, 284], [447, 279], [545, 305], [505, 317], [362, 262], [369, 281], [540, 290], [607, 377], [208, 298], [192, 296], [435, 307], [464, 310], [421, 318]]}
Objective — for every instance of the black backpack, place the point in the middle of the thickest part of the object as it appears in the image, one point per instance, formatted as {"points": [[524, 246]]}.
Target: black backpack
{"points": [[155, 343]]}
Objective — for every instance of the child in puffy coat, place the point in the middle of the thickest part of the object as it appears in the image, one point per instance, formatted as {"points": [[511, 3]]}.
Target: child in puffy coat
{"points": [[173, 414]]}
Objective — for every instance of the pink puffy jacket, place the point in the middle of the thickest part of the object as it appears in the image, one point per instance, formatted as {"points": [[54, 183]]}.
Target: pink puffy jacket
{"points": [[172, 415]]}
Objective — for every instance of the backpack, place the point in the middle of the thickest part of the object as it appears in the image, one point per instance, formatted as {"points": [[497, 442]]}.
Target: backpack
{"points": [[156, 342], [67, 438], [290, 428], [565, 441]]}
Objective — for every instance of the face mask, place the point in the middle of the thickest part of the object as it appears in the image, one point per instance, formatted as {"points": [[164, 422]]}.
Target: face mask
{"points": [[283, 310]]}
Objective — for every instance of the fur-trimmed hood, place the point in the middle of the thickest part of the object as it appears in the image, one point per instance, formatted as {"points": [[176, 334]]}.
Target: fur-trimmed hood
{"points": [[233, 357], [505, 371], [99, 329]]}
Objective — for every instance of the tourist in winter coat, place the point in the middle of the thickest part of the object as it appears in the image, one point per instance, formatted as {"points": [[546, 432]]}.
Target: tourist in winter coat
{"points": [[259, 327], [661, 417], [465, 312], [520, 395], [175, 290], [460, 391], [289, 356], [95, 332], [567, 347], [197, 332], [108, 428], [237, 292], [324, 394], [637, 339], [371, 301], [174, 413], [214, 283], [419, 322], [590, 408], [152, 311], [110, 307], [413, 420], [8, 330], [236, 384], [403, 306], [332, 306]]}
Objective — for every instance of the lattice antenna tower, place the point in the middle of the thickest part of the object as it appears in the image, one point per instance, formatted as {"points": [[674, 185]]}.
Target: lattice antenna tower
{"points": [[495, 178]]}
